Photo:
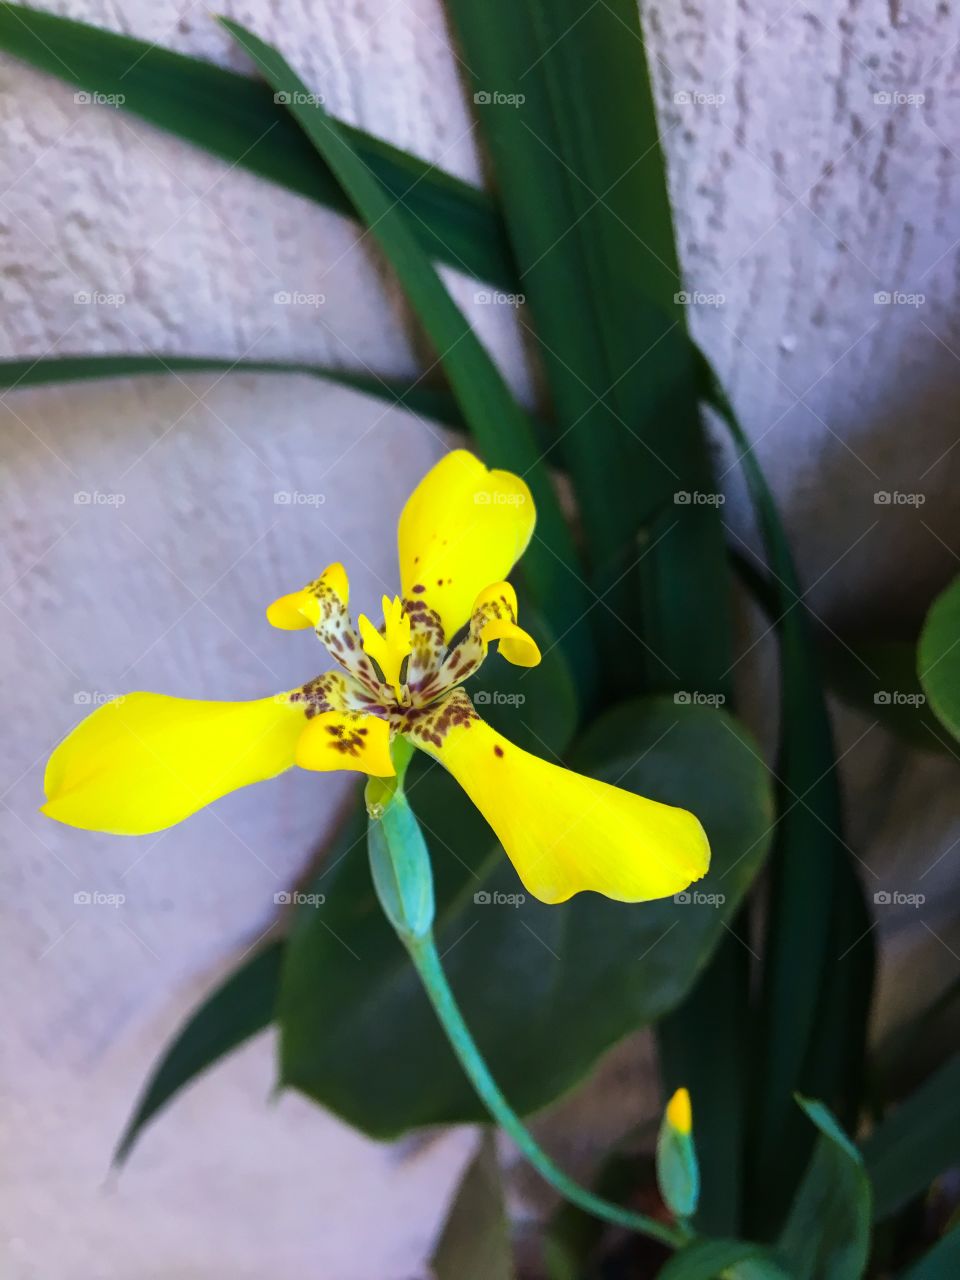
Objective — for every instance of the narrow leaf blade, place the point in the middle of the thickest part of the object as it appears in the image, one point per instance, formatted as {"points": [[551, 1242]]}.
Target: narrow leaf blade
{"points": [[475, 1242], [237, 119], [237, 1010], [501, 428], [827, 1235], [917, 1141]]}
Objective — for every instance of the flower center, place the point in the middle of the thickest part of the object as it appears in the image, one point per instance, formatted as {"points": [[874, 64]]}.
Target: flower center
{"points": [[390, 647]]}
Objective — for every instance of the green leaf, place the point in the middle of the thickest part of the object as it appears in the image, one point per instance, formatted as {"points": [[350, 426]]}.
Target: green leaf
{"points": [[238, 1009], [525, 974], [710, 1056], [413, 395], [499, 425], [814, 894], [827, 1235], [941, 1263], [938, 657], [582, 183], [916, 1142], [475, 1242], [708, 1259], [237, 119]]}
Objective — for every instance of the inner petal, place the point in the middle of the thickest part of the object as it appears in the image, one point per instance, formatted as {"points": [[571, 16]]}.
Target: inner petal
{"points": [[391, 645], [494, 618], [323, 605]]}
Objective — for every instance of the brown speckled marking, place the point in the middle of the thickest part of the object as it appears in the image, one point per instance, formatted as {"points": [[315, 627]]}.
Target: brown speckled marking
{"points": [[498, 751], [431, 724], [334, 691], [349, 742]]}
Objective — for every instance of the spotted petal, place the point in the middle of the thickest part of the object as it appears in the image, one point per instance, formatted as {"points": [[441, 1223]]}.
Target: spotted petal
{"points": [[564, 832], [324, 605], [463, 527], [346, 740]]}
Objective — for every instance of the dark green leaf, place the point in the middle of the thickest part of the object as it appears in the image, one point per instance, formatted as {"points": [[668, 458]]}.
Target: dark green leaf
{"points": [[502, 430], [523, 975], [827, 1235], [918, 1141], [239, 1008], [475, 1242], [582, 182], [238, 119], [938, 657], [941, 1263], [811, 873], [708, 1259], [413, 396], [704, 1045]]}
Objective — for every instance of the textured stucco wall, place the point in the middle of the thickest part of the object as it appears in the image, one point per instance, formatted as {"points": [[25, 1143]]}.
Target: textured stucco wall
{"points": [[798, 198]]}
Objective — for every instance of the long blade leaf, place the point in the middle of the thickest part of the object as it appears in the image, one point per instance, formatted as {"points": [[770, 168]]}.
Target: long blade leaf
{"points": [[240, 1008], [503, 431], [414, 395], [582, 183], [917, 1142], [237, 119], [811, 871]]}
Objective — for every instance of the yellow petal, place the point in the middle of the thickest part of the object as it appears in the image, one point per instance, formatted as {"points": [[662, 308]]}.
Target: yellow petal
{"points": [[339, 740], [391, 648], [462, 528], [146, 761], [495, 618], [562, 831], [305, 608]]}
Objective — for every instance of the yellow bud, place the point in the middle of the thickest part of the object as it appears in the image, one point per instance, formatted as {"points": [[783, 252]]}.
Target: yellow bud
{"points": [[679, 1112]]}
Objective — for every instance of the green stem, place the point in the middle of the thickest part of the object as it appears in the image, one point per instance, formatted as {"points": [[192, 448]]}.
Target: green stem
{"points": [[423, 952]]}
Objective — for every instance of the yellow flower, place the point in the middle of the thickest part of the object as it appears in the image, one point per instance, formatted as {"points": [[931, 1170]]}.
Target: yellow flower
{"points": [[146, 761]]}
